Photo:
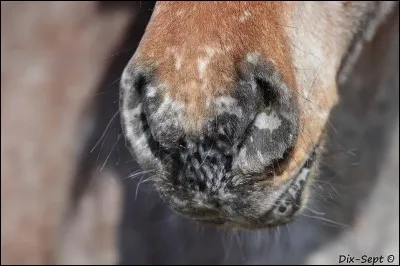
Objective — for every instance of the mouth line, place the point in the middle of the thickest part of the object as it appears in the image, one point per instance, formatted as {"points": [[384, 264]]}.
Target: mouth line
{"points": [[309, 162], [298, 183]]}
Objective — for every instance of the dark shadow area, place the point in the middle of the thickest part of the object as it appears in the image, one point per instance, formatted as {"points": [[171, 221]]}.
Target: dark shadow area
{"points": [[105, 147], [150, 233]]}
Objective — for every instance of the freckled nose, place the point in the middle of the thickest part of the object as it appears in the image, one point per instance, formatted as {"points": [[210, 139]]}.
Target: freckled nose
{"points": [[272, 133], [250, 127], [259, 99], [161, 114]]}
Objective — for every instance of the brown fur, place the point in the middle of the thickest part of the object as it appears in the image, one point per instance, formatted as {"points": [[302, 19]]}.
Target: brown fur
{"points": [[178, 29]]}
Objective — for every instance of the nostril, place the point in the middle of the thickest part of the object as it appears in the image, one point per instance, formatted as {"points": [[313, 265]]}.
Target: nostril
{"points": [[282, 209], [229, 160], [268, 95], [182, 144], [140, 83], [223, 138], [269, 138], [144, 122]]}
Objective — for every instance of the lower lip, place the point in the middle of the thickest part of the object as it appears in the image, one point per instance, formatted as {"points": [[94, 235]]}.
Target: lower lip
{"points": [[311, 156], [229, 223]]}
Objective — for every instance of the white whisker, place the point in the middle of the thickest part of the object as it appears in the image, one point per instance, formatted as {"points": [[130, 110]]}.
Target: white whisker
{"points": [[105, 130]]}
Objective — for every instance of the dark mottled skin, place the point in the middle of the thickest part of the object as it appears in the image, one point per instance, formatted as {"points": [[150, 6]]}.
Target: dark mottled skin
{"points": [[220, 169]]}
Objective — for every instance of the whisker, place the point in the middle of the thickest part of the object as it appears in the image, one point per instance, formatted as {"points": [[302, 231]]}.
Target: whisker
{"points": [[105, 130], [137, 187], [239, 244], [326, 220], [208, 153], [314, 211], [120, 51], [279, 233], [141, 182], [119, 156], [112, 83], [108, 156], [289, 233], [139, 173], [101, 148]]}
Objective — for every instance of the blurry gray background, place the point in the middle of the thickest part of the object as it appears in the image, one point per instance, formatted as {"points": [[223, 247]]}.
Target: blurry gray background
{"points": [[65, 192]]}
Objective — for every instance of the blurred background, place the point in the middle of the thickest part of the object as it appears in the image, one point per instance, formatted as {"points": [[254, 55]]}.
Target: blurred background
{"points": [[66, 194]]}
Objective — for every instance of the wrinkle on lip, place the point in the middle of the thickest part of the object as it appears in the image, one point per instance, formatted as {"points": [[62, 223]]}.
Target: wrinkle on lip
{"points": [[306, 166], [308, 159]]}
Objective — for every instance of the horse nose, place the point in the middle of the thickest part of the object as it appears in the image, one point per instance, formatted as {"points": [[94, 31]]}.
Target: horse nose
{"points": [[259, 114]]}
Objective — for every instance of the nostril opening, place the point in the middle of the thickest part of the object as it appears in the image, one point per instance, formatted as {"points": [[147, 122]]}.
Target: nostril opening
{"points": [[144, 122], [182, 144], [140, 83], [143, 118], [223, 138], [228, 163], [282, 209], [268, 95]]}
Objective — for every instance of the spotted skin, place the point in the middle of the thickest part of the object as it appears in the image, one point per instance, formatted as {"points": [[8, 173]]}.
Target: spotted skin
{"points": [[210, 170]]}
